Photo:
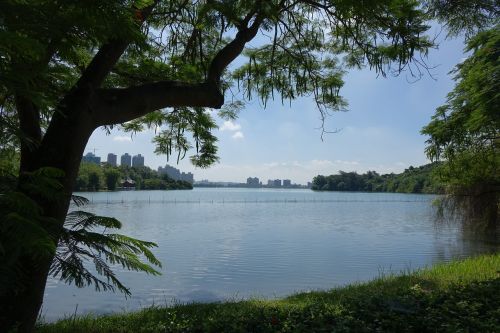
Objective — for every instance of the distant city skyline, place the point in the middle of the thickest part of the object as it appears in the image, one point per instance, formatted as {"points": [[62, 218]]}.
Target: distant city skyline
{"points": [[112, 159], [125, 159], [176, 174], [137, 161]]}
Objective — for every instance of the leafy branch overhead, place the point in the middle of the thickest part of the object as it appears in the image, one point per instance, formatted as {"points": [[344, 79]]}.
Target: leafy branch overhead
{"points": [[159, 59]]}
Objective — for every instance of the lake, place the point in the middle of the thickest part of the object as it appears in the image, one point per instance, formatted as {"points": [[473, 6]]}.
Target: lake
{"points": [[233, 243]]}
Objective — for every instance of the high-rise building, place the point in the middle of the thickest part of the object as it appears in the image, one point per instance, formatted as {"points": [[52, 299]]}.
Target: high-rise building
{"points": [[287, 183], [253, 182], [111, 159], [187, 177], [274, 183], [176, 174], [91, 158], [126, 160], [138, 161], [170, 171]]}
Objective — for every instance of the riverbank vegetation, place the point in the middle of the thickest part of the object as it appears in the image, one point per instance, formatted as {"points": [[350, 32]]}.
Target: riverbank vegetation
{"points": [[93, 177], [412, 180], [461, 296], [464, 134]]}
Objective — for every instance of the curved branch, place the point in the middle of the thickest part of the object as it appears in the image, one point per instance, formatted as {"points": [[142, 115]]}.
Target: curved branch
{"points": [[115, 106], [232, 50], [108, 55]]}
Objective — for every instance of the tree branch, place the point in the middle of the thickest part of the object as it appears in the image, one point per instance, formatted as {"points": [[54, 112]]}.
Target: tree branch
{"points": [[107, 56], [232, 50], [115, 106]]}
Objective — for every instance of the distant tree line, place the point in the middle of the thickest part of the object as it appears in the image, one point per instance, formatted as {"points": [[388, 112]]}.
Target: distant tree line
{"points": [[412, 180], [93, 177]]}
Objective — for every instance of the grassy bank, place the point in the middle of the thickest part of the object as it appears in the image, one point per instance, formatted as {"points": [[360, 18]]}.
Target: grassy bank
{"points": [[462, 296]]}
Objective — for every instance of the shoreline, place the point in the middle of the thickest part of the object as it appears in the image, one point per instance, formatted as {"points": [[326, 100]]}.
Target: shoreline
{"points": [[460, 295]]}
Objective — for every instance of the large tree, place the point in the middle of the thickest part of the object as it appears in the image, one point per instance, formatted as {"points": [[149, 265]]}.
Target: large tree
{"points": [[464, 133], [69, 67]]}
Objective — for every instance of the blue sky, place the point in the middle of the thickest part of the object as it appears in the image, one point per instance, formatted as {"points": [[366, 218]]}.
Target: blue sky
{"points": [[381, 130]]}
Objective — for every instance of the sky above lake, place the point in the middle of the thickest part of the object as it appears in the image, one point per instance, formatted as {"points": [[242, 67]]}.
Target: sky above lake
{"points": [[380, 131]]}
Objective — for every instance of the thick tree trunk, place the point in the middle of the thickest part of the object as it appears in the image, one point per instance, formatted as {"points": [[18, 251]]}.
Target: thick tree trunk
{"points": [[20, 308], [83, 109], [61, 148]]}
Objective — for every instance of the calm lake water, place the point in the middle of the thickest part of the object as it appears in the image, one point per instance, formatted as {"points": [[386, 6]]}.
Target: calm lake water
{"points": [[218, 244]]}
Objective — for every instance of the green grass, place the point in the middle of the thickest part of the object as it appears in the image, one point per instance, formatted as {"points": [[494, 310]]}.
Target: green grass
{"points": [[462, 296]]}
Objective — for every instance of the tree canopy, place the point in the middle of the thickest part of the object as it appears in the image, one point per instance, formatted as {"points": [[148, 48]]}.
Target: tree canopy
{"points": [[412, 180], [92, 177], [465, 132], [136, 57]]}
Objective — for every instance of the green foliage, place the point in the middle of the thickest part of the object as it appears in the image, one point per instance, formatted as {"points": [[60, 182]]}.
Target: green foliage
{"points": [[9, 167], [79, 244], [25, 232], [308, 47], [412, 180], [464, 16], [465, 132], [92, 177], [457, 297], [112, 177], [165, 184]]}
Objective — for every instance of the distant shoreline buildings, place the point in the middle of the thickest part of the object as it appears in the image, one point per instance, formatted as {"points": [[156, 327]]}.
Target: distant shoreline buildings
{"points": [[126, 160], [253, 182], [137, 161], [176, 174], [91, 158], [112, 159]]}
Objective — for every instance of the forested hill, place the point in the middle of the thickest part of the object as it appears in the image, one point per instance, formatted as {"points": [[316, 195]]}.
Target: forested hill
{"points": [[412, 180]]}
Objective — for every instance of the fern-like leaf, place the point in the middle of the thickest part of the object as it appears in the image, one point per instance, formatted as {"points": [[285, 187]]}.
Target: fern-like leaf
{"points": [[80, 246]]}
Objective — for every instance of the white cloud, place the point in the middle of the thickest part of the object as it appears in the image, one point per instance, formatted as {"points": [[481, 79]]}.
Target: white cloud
{"points": [[122, 138], [228, 125], [238, 135], [315, 164]]}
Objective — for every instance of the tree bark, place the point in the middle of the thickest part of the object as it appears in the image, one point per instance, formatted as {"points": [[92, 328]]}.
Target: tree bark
{"points": [[80, 112], [62, 148]]}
